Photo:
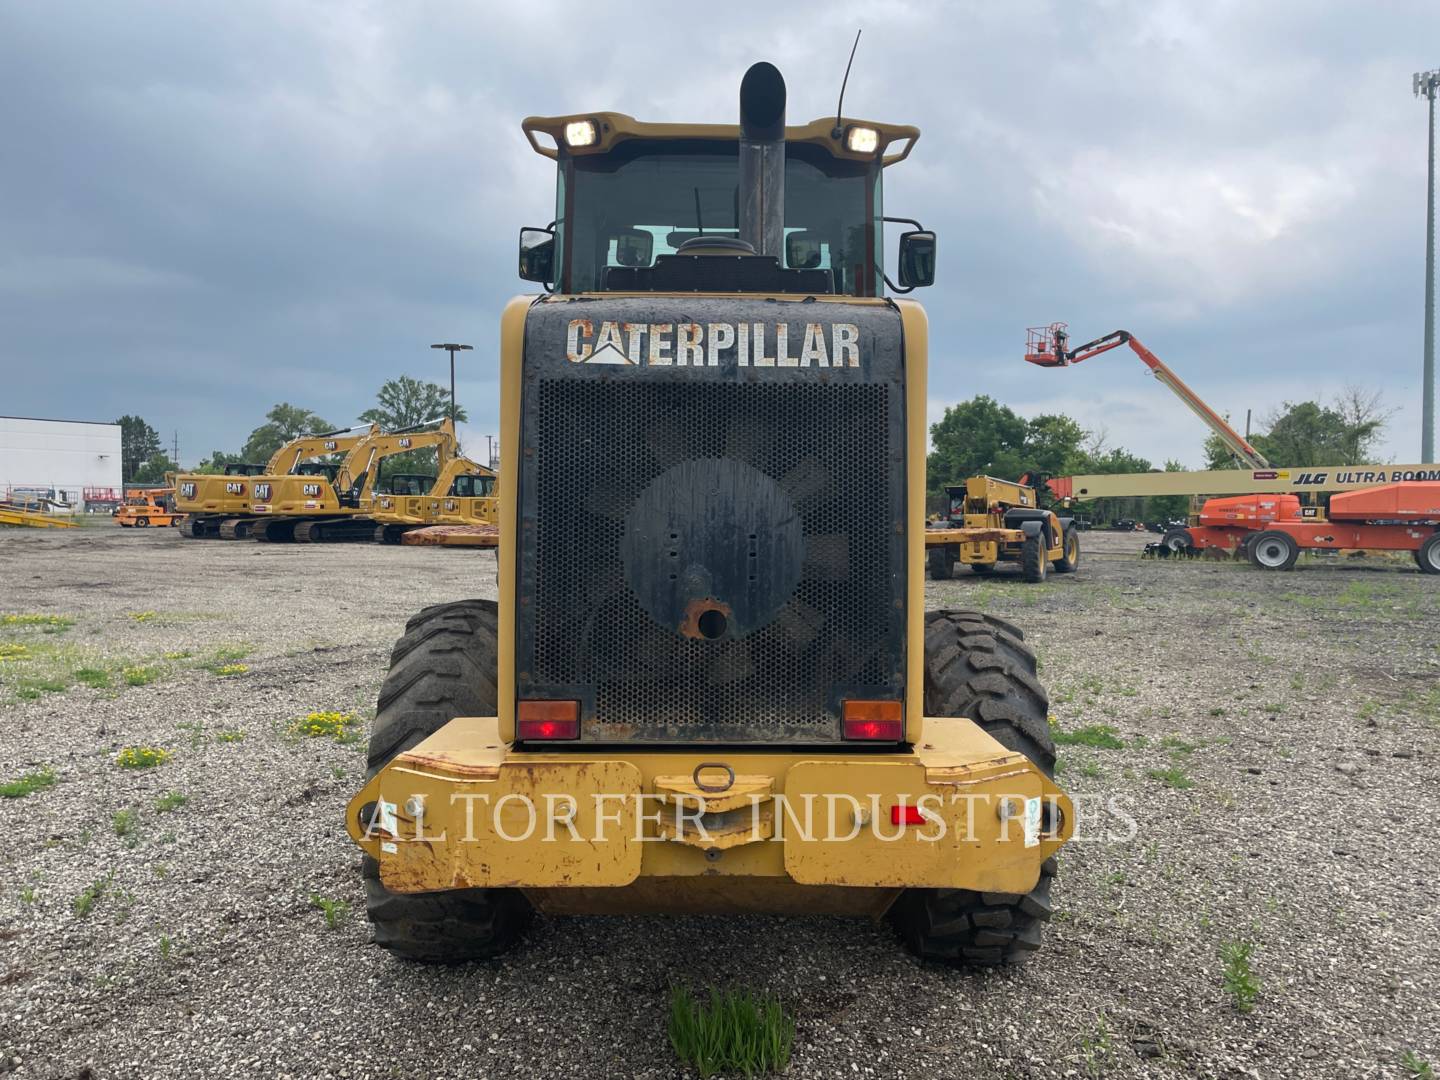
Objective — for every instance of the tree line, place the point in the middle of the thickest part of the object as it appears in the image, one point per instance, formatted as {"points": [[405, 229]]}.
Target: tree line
{"points": [[400, 403]]}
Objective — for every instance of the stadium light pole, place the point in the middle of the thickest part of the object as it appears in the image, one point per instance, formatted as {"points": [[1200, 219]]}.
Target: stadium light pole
{"points": [[453, 349], [1425, 84]]}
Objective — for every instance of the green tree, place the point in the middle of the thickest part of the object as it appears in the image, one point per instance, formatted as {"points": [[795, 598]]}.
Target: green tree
{"points": [[154, 469], [282, 423], [217, 461], [1346, 432], [138, 443], [406, 402]]}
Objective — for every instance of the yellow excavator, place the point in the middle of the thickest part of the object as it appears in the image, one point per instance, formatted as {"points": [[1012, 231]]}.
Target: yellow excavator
{"points": [[321, 509], [410, 502], [218, 504]]}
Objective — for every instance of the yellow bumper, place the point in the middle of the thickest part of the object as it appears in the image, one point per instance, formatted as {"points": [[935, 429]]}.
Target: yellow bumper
{"points": [[462, 809]]}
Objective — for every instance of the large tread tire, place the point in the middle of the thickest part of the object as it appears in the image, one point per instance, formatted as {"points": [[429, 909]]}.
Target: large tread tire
{"points": [[1427, 556], [1069, 560], [942, 566], [1178, 541], [979, 667], [1033, 560], [444, 666], [1273, 550]]}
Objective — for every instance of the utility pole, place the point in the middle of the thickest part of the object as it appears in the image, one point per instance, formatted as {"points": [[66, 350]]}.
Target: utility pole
{"points": [[453, 348], [490, 450], [1425, 85], [175, 447]]}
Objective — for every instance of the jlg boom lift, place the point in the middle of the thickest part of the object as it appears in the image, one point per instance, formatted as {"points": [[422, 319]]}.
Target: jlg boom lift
{"points": [[1273, 527], [711, 581]]}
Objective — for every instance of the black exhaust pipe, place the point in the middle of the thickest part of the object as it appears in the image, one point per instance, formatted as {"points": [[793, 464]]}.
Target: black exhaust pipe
{"points": [[762, 160]]}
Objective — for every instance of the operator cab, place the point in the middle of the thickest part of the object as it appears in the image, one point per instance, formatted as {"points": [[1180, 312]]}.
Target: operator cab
{"points": [[657, 208], [408, 484], [473, 486]]}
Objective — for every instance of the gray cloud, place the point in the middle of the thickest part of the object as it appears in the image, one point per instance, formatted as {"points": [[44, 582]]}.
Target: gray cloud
{"points": [[209, 208]]}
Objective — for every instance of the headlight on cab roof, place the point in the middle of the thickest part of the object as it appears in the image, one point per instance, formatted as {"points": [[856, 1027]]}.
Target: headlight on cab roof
{"points": [[580, 133], [862, 140]]}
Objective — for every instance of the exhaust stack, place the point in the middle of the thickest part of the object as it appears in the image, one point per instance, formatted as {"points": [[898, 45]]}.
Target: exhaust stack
{"points": [[762, 160]]}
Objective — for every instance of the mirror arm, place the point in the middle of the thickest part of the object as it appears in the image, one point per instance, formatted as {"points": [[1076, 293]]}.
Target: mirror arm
{"points": [[896, 288], [905, 221]]}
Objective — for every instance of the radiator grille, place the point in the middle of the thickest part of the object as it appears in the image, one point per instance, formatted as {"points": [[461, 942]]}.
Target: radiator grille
{"points": [[598, 445]]}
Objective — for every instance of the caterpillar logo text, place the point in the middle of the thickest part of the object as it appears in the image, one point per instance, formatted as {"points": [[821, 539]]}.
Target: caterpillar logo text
{"points": [[693, 344]]}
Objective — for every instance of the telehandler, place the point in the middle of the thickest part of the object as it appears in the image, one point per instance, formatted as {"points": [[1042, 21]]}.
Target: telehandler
{"points": [[994, 521], [709, 683]]}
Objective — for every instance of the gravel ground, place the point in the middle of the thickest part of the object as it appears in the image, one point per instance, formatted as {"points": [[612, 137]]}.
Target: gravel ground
{"points": [[1279, 760]]}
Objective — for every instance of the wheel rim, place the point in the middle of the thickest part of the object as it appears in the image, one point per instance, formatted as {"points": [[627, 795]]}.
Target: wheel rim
{"points": [[1431, 555], [1271, 553], [1072, 550]]}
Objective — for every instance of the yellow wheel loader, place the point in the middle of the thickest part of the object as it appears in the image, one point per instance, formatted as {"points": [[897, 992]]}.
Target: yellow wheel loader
{"points": [[709, 683], [994, 521], [219, 504], [412, 502]]}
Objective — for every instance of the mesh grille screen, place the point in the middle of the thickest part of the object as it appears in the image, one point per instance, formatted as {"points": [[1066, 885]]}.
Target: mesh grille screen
{"points": [[598, 444]]}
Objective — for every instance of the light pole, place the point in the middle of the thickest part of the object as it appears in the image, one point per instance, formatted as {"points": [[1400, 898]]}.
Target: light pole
{"points": [[1425, 84], [453, 349]]}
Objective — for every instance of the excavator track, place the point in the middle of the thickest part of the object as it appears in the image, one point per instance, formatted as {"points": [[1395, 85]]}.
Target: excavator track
{"points": [[236, 529]]}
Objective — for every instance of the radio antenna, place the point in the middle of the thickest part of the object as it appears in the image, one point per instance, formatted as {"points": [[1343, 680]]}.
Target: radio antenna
{"points": [[839, 105]]}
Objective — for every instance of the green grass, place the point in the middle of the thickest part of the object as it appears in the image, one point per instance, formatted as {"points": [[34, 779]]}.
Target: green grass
{"points": [[28, 784], [226, 654], [1101, 736], [1176, 745], [224, 670], [96, 678], [30, 689], [231, 735], [90, 896], [140, 674], [1240, 982], [141, 757], [1173, 777], [335, 910], [737, 1031], [1416, 1066], [126, 822], [27, 894]]}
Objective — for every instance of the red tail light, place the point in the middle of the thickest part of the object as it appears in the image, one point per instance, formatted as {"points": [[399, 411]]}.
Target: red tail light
{"points": [[547, 721], [875, 721], [906, 815]]}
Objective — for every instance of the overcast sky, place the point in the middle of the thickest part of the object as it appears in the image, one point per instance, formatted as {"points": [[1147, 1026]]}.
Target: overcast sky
{"points": [[208, 208]]}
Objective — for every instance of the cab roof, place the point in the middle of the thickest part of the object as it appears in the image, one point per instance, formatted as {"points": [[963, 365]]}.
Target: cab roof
{"points": [[613, 128]]}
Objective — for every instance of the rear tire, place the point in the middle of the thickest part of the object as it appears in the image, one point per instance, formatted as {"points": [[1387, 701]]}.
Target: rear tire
{"points": [[1428, 555], [1033, 562], [1274, 550], [444, 666], [1178, 541], [979, 667], [1069, 560], [942, 566]]}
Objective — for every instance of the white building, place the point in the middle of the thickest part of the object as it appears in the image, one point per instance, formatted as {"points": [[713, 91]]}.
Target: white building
{"points": [[59, 459]]}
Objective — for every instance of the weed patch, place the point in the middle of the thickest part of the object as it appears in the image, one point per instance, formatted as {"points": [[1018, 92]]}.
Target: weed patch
{"points": [[91, 894], [1240, 982], [335, 910], [1173, 777], [140, 674], [1101, 736], [339, 726], [173, 801], [28, 784], [141, 757], [735, 1032]]}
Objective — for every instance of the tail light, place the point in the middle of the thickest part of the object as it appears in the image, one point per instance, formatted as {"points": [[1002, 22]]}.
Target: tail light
{"points": [[874, 721], [547, 721], [906, 815]]}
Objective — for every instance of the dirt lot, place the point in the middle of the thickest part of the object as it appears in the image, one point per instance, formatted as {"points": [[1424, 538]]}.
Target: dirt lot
{"points": [[1277, 748]]}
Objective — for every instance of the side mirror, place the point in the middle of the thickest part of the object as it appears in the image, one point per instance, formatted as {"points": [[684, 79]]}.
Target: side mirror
{"points": [[917, 259], [537, 255], [802, 251], [634, 247]]}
